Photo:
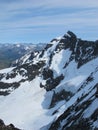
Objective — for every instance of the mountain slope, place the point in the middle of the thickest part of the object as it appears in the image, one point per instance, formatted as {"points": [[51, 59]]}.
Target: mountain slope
{"points": [[55, 89], [10, 52]]}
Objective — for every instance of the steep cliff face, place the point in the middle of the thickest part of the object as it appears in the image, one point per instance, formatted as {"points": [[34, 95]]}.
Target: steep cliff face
{"points": [[55, 89]]}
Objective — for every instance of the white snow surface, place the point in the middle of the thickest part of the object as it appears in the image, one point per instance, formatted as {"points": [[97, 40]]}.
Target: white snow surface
{"points": [[71, 85], [24, 108], [6, 70], [59, 61], [91, 109], [25, 58]]}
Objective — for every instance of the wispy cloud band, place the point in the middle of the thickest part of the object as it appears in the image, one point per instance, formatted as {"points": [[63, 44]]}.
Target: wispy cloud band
{"points": [[44, 16]]}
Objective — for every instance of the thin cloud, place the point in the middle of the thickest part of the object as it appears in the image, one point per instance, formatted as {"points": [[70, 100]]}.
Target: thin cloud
{"points": [[45, 16]]}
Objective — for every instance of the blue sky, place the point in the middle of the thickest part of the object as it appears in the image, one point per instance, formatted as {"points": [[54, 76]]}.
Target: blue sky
{"points": [[41, 20]]}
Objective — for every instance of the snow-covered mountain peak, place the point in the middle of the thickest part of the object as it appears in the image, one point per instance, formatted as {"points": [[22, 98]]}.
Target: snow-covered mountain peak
{"points": [[52, 89]]}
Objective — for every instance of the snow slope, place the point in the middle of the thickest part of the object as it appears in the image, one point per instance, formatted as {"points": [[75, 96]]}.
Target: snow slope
{"points": [[28, 105]]}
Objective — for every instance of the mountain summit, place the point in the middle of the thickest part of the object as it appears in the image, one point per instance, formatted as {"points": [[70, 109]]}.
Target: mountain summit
{"points": [[53, 89]]}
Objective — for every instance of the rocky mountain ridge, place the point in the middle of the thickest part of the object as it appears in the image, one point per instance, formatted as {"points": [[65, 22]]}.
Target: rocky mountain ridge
{"points": [[62, 78], [11, 52]]}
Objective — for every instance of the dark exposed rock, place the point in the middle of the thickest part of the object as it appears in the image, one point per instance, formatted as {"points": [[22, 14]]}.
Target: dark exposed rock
{"points": [[50, 58], [41, 85], [71, 34], [72, 118], [31, 56], [42, 53], [59, 96], [1, 122], [45, 49], [8, 85], [76, 120], [96, 94], [80, 125], [94, 116], [54, 40], [7, 127], [47, 73], [1, 76], [82, 51], [52, 83], [4, 86]]}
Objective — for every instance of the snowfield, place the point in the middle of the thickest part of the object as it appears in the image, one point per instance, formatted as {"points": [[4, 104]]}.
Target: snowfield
{"points": [[24, 108]]}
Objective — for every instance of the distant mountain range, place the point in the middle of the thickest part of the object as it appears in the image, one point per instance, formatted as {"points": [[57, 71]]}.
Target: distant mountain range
{"points": [[11, 52], [53, 89]]}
